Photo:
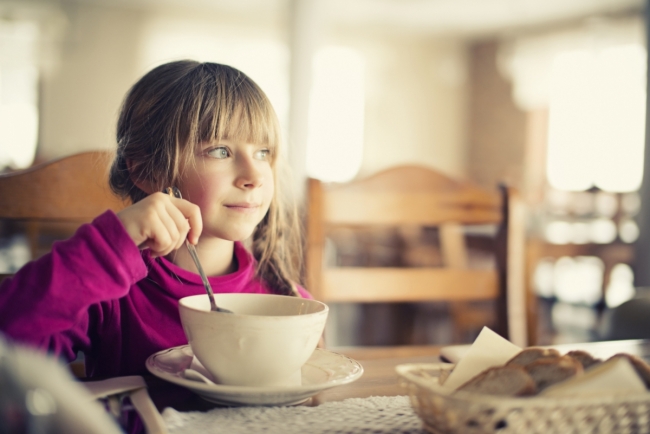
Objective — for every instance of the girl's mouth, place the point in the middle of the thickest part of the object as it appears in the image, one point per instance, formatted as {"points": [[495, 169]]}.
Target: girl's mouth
{"points": [[243, 206]]}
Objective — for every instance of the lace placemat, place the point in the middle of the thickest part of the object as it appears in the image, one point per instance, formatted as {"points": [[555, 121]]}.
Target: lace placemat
{"points": [[377, 414]]}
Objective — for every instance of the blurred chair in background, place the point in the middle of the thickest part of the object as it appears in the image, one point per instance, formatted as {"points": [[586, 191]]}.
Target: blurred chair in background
{"points": [[629, 320], [56, 197], [411, 197]]}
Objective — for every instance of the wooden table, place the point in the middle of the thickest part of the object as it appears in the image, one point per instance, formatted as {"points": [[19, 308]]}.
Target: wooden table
{"points": [[379, 378]]}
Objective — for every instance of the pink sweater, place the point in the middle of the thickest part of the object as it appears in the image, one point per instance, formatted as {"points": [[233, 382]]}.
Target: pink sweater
{"points": [[97, 293]]}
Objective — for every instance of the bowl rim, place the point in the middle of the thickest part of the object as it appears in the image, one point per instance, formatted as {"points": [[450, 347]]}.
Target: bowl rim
{"points": [[324, 310]]}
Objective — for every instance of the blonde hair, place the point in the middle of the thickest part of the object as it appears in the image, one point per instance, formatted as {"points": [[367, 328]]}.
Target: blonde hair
{"points": [[179, 105]]}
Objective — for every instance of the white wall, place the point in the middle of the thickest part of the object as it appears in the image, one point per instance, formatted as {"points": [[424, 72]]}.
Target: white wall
{"points": [[416, 91], [81, 96], [105, 49], [416, 102]]}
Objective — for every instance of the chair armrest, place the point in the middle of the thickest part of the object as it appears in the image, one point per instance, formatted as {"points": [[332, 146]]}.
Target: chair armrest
{"points": [[136, 388]]}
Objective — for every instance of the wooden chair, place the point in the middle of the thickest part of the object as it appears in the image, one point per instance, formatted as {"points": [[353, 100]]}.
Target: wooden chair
{"points": [[413, 196], [62, 193], [55, 198]]}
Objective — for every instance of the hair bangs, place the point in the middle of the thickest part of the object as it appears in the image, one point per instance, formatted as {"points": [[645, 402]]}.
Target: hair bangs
{"points": [[237, 109]]}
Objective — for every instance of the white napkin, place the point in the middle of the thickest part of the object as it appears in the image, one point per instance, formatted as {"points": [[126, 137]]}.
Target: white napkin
{"points": [[614, 376], [488, 350]]}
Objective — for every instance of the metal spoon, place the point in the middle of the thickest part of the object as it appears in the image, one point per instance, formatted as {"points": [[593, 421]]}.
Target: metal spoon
{"points": [[175, 192], [192, 374]]}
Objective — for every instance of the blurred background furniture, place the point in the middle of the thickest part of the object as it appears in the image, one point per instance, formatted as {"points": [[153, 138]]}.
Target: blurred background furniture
{"points": [[629, 320], [39, 395], [52, 199], [412, 198], [581, 260]]}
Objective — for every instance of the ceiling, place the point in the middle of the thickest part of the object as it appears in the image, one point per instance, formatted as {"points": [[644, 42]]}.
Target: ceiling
{"points": [[475, 17], [463, 18]]}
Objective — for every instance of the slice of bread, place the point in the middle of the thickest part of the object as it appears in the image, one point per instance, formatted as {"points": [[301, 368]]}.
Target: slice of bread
{"points": [[530, 355], [585, 359], [616, 376], [502, 381], [640, 366], [550, 371]]}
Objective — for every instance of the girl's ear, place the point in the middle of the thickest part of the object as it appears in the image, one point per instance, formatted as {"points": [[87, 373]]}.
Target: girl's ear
{"points": [[142, 184]]}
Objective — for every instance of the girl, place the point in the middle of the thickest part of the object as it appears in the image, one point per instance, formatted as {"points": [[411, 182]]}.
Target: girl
{"points": [[111, 291]]}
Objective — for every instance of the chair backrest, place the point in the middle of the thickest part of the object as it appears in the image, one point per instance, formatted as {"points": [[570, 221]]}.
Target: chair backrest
{"points": [[72, 189], [418, 196], [629, 320], [66, 192]]}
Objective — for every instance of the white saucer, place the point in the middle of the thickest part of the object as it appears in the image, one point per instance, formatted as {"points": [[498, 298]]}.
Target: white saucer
{"points": [[323, 370]]}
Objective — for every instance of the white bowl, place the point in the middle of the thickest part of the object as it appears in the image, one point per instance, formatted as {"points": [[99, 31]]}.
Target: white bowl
{"points": [[264, 342]]}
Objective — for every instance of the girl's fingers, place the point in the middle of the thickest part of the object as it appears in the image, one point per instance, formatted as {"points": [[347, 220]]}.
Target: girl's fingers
{"points": [[162, 223], [181, 224], [159, 239], [175, 219], [192, 214], [175, 235]]}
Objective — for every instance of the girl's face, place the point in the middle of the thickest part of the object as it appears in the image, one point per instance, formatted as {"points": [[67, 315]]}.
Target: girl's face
{"points": [[232, 182]]}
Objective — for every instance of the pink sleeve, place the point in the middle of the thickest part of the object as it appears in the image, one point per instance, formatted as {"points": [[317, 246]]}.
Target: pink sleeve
{"points": [[46, 303]]}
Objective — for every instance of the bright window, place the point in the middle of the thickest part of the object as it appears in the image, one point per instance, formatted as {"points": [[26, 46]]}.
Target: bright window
{"points": [[621, 285], [336, 115], [18, 93], [597, 119]]}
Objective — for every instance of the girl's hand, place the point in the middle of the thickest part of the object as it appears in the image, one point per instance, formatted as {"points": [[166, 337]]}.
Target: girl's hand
{"points": [[162, 223]]}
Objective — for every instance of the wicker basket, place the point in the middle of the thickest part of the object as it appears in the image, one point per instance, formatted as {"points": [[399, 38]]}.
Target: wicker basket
{"points": [[469, 413]]}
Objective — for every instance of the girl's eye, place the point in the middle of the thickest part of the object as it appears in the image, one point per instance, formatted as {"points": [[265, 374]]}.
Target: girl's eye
{"points": [[219, 153], [263, 154]]}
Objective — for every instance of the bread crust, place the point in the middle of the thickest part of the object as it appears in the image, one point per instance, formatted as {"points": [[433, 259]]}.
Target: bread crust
{"points": [[530, 355], [502, 381], [550, 371], [585, 359]]}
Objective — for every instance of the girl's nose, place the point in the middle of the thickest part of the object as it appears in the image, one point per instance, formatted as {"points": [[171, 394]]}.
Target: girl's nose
{"points": [[249, 175]]}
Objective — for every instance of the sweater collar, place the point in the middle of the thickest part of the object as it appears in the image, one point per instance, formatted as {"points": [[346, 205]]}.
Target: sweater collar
{"points": [[170, 274]]}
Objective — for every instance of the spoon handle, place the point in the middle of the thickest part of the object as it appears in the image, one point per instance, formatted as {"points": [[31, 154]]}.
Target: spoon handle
{"points": [[175, 192], [204, 278]]}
